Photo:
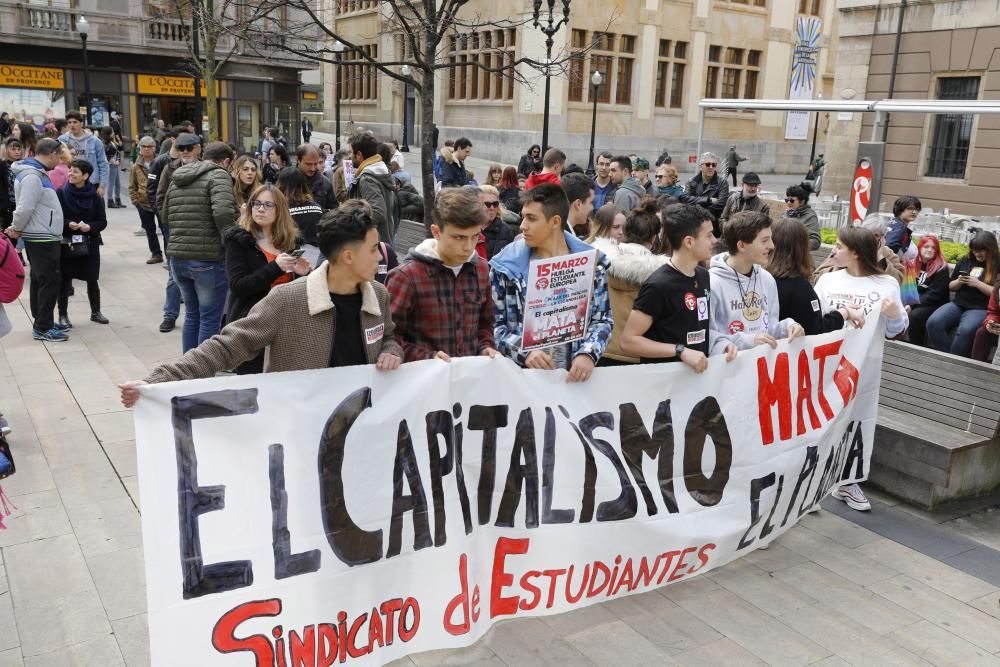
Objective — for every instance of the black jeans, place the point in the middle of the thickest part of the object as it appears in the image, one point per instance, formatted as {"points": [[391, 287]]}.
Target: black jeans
{"points": [[147, 219], [44, 258], [732, 173]]}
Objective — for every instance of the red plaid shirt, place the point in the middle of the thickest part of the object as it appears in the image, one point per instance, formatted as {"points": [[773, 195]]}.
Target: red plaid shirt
{"points": [[435, 310]]}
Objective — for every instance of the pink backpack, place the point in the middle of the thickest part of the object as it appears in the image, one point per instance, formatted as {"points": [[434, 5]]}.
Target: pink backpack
{"points": [[11, 271]]}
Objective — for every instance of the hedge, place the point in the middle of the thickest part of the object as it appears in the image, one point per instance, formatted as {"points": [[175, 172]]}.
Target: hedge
{"points": [[952, 251]]}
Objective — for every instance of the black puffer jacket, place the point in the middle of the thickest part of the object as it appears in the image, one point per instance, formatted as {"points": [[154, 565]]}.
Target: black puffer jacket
{"points": [[250, 273], [498, 235]]}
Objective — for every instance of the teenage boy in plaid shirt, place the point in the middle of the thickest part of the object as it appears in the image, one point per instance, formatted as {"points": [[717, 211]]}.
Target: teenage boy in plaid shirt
{"points": [[545, 210], [441, 302]]}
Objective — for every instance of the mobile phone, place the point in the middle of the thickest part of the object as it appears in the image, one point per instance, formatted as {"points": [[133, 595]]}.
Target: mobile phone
{"points": [[297, 253], [963, 274]]}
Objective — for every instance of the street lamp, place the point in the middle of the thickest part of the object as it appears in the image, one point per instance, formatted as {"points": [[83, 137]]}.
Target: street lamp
{"points": [[812, 155], [405, 148], [595, 80], [551, 27], [338, 49], [83, 28]]}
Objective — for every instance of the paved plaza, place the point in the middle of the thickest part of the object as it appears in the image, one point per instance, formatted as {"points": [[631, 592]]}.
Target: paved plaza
{"points": [[902, 587]]}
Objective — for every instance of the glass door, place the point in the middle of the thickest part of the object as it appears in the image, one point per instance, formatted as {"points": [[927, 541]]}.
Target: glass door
{"points": [[247, 122]]}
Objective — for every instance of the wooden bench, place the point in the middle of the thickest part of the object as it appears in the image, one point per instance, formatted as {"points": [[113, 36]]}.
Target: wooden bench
{"points": [[409, 235], [936, 435]]}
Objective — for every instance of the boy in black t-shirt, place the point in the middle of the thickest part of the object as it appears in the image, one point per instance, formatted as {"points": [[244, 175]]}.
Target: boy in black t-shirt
{"points": [[670, 316]]}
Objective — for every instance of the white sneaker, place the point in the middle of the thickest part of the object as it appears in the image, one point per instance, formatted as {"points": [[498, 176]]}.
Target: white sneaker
{"points": [[853, 496], [764, 547], [815, 508]]}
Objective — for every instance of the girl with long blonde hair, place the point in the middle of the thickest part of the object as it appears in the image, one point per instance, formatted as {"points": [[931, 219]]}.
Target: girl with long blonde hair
{"points": [[246, 178]]}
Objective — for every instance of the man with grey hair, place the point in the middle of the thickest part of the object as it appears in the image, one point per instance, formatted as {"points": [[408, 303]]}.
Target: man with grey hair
{"points": [[138, 178], [707, 189]]}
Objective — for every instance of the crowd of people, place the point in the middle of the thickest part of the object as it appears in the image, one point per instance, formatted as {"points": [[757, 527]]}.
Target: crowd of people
{"points": [[287, 263]]}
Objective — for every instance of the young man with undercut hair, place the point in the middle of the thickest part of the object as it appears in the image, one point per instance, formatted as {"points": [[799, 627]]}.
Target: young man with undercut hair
{"points": [[336, 316], [669, 318], [745, 309], [543, 236], [441, 300], [552, 165], [580, 193], [630, 191]]}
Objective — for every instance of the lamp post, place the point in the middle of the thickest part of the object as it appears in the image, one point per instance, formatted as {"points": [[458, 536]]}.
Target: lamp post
{"points": [[405, 148], [595, 80], [338, 49], [550, 28], [83, 27], [812, 155]]}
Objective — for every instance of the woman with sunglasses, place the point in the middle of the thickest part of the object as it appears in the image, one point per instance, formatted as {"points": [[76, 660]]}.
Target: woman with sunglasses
{"points": [[259, 256], [797, 198], [531, 162]]}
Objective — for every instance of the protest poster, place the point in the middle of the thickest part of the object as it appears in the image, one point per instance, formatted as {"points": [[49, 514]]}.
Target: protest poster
{"points": [[557, 303], [356, 516]]}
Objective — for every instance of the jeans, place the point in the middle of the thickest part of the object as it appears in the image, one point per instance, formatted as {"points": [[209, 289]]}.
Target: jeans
{"points": [[44, 258], [983, 344], [203, 285], [172, 302], [948, 316], [114, 192], [147, 218]]}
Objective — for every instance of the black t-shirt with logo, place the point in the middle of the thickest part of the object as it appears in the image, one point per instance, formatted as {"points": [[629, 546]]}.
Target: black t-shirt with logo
{"points": [[968, 297], [678, 305], [348, 338]]}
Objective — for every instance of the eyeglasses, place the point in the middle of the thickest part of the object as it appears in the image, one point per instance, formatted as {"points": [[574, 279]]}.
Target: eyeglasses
{"points": [[491, 204], [708, 164], [147, 145], [265, 205]]}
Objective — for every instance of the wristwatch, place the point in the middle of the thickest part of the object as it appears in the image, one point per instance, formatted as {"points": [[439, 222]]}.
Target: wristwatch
{"points": [[679, 349]]}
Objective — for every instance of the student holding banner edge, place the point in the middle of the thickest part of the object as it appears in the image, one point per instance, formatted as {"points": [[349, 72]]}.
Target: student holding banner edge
{"points": [[441, 298], [545, 208], [337, 316]]}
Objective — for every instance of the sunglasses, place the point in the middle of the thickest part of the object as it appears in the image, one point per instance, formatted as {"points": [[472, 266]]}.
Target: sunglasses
{"points": [[790, 200], [659, 176], [185, 149], [265, 205], [708, 164], [491, 204]]}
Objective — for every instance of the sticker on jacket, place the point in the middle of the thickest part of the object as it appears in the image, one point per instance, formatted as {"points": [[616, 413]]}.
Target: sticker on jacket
{"points": [[736, 326], [689, 301], [374, 334], [702, 308], [815, 305], [695, 337]]}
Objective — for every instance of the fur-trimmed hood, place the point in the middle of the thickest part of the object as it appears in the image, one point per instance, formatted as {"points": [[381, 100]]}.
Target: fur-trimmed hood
{"points": [[630, 262]]}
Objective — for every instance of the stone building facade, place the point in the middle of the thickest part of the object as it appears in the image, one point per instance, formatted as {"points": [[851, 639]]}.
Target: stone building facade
{"points": [[948, 51], [659, 58]]}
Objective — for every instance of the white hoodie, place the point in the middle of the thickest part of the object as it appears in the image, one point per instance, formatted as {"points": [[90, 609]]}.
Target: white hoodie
{"points": [[742, 306], [866, 293]]}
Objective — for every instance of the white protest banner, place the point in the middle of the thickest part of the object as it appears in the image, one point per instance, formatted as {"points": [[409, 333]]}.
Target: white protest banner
{"points": [[356, 516], [557, 305]]}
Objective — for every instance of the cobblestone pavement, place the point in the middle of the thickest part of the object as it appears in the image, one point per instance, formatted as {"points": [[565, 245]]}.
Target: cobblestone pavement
{"points": [[72, 586]]}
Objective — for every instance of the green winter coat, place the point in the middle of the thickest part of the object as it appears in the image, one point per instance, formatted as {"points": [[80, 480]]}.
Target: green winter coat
{"points": [[197, 209]]}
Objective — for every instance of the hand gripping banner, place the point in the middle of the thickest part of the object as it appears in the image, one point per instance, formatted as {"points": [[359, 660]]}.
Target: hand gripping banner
{"points": [[355, 516]]}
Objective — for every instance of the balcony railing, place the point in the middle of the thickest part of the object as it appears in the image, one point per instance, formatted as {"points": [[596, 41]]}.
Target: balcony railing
{"points": [[167, 31], [48, 20]]}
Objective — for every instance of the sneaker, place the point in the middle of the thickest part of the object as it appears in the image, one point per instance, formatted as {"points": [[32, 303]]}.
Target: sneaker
{"points": [[155, 259], [4, 426], [53, 335], [167, 325], [853, 496]]}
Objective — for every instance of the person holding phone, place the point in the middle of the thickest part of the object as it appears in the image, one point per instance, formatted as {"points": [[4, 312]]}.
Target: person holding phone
{"points": [[988, 334], [972, 283], [261, 253]]}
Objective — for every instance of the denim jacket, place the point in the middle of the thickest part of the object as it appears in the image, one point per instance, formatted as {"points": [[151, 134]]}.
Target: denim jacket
{"points": [[508, 277], [93, 152]]}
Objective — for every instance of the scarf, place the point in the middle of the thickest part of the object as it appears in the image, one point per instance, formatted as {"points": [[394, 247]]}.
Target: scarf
{"points": [[797, 212], [79, 201]]}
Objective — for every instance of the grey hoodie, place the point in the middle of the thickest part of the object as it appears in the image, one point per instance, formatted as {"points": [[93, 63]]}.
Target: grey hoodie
{"points": [[629, 193], [38, 215], [742, 306]]}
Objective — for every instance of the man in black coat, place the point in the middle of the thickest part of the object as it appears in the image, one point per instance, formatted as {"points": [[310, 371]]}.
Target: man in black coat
{"points": [[708, 189]]}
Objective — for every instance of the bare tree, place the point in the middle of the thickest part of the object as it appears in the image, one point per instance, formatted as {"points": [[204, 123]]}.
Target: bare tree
{"points": [[208, 24], [421, 29]]}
